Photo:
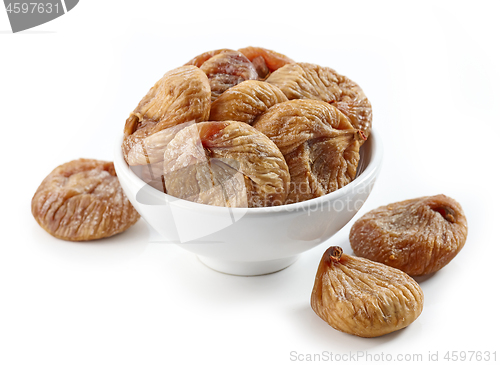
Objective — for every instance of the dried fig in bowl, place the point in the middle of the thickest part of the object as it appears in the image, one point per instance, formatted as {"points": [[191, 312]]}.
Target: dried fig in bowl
{"points": [[319, 143], [246, 101], [181, 95], [310, 81], [226, 69], [205, 56], [419, 236], [362, 297], [225, 164], [265, 60]]}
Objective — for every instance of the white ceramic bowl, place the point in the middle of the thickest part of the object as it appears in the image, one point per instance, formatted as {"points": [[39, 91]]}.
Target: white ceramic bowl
{"points": [[251, 241]]}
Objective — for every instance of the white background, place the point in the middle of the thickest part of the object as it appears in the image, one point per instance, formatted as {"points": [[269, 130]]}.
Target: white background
{"points": [[431, 71]]}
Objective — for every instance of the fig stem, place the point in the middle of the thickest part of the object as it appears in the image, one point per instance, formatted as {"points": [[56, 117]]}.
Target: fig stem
{"points": [[336, 253]]}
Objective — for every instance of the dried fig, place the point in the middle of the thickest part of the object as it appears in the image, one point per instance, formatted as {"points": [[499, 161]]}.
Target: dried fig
{"points": [[226, 69], [418, 236], [246, 101], [82, 200], [150, 149], [216, 162], [180, 96], [261, 67], [362, 297], [265, 60], [320, 146], [309, 81], [202, 58]]}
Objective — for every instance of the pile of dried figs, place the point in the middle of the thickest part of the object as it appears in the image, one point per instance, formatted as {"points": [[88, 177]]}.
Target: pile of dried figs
{"points": [[252, 128], [248, 128], [373, 294]]}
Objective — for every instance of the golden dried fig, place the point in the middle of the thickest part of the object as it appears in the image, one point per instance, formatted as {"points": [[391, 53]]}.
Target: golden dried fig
{"points": [[418, 236], [226, 164], [320, 146], [82, 200], [309, 81], [246, 101], [362, 297], [181, 95]]}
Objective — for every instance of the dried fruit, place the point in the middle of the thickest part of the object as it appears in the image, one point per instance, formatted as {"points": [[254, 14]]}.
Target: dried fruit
{"points": [[226, 69], [265, 60], [200, 59], [150, 149], [246, 101], [309, 81], [318, 142], [419, 236], [181, 95], [82, 200], [226, 164], [261, 67], [364, 298]]}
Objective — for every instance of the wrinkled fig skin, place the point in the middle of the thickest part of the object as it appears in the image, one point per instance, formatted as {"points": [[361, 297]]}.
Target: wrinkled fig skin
{"points": [[364, 298], [226, 69], [267, 60], [246, 101], [309, 81], [202, 58], [82, 200], [418, 236], [320, 146], [208, 159], [181, 95]]}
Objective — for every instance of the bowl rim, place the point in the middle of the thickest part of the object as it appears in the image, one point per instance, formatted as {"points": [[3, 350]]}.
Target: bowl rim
{"points": [[370, 171]]}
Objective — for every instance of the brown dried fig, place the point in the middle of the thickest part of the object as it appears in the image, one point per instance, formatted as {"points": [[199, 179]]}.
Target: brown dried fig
{"points": [[226, 69], [82, 200], [320, 146], [150, 149], [418, 236], [265, 61], [226, 164], [202, 58], [246, 101], [362, 297], [309, 81], [181, 95]]}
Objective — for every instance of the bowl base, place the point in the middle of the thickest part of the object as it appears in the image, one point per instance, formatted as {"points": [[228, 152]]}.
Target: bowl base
{"points": [[248, 268]]}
